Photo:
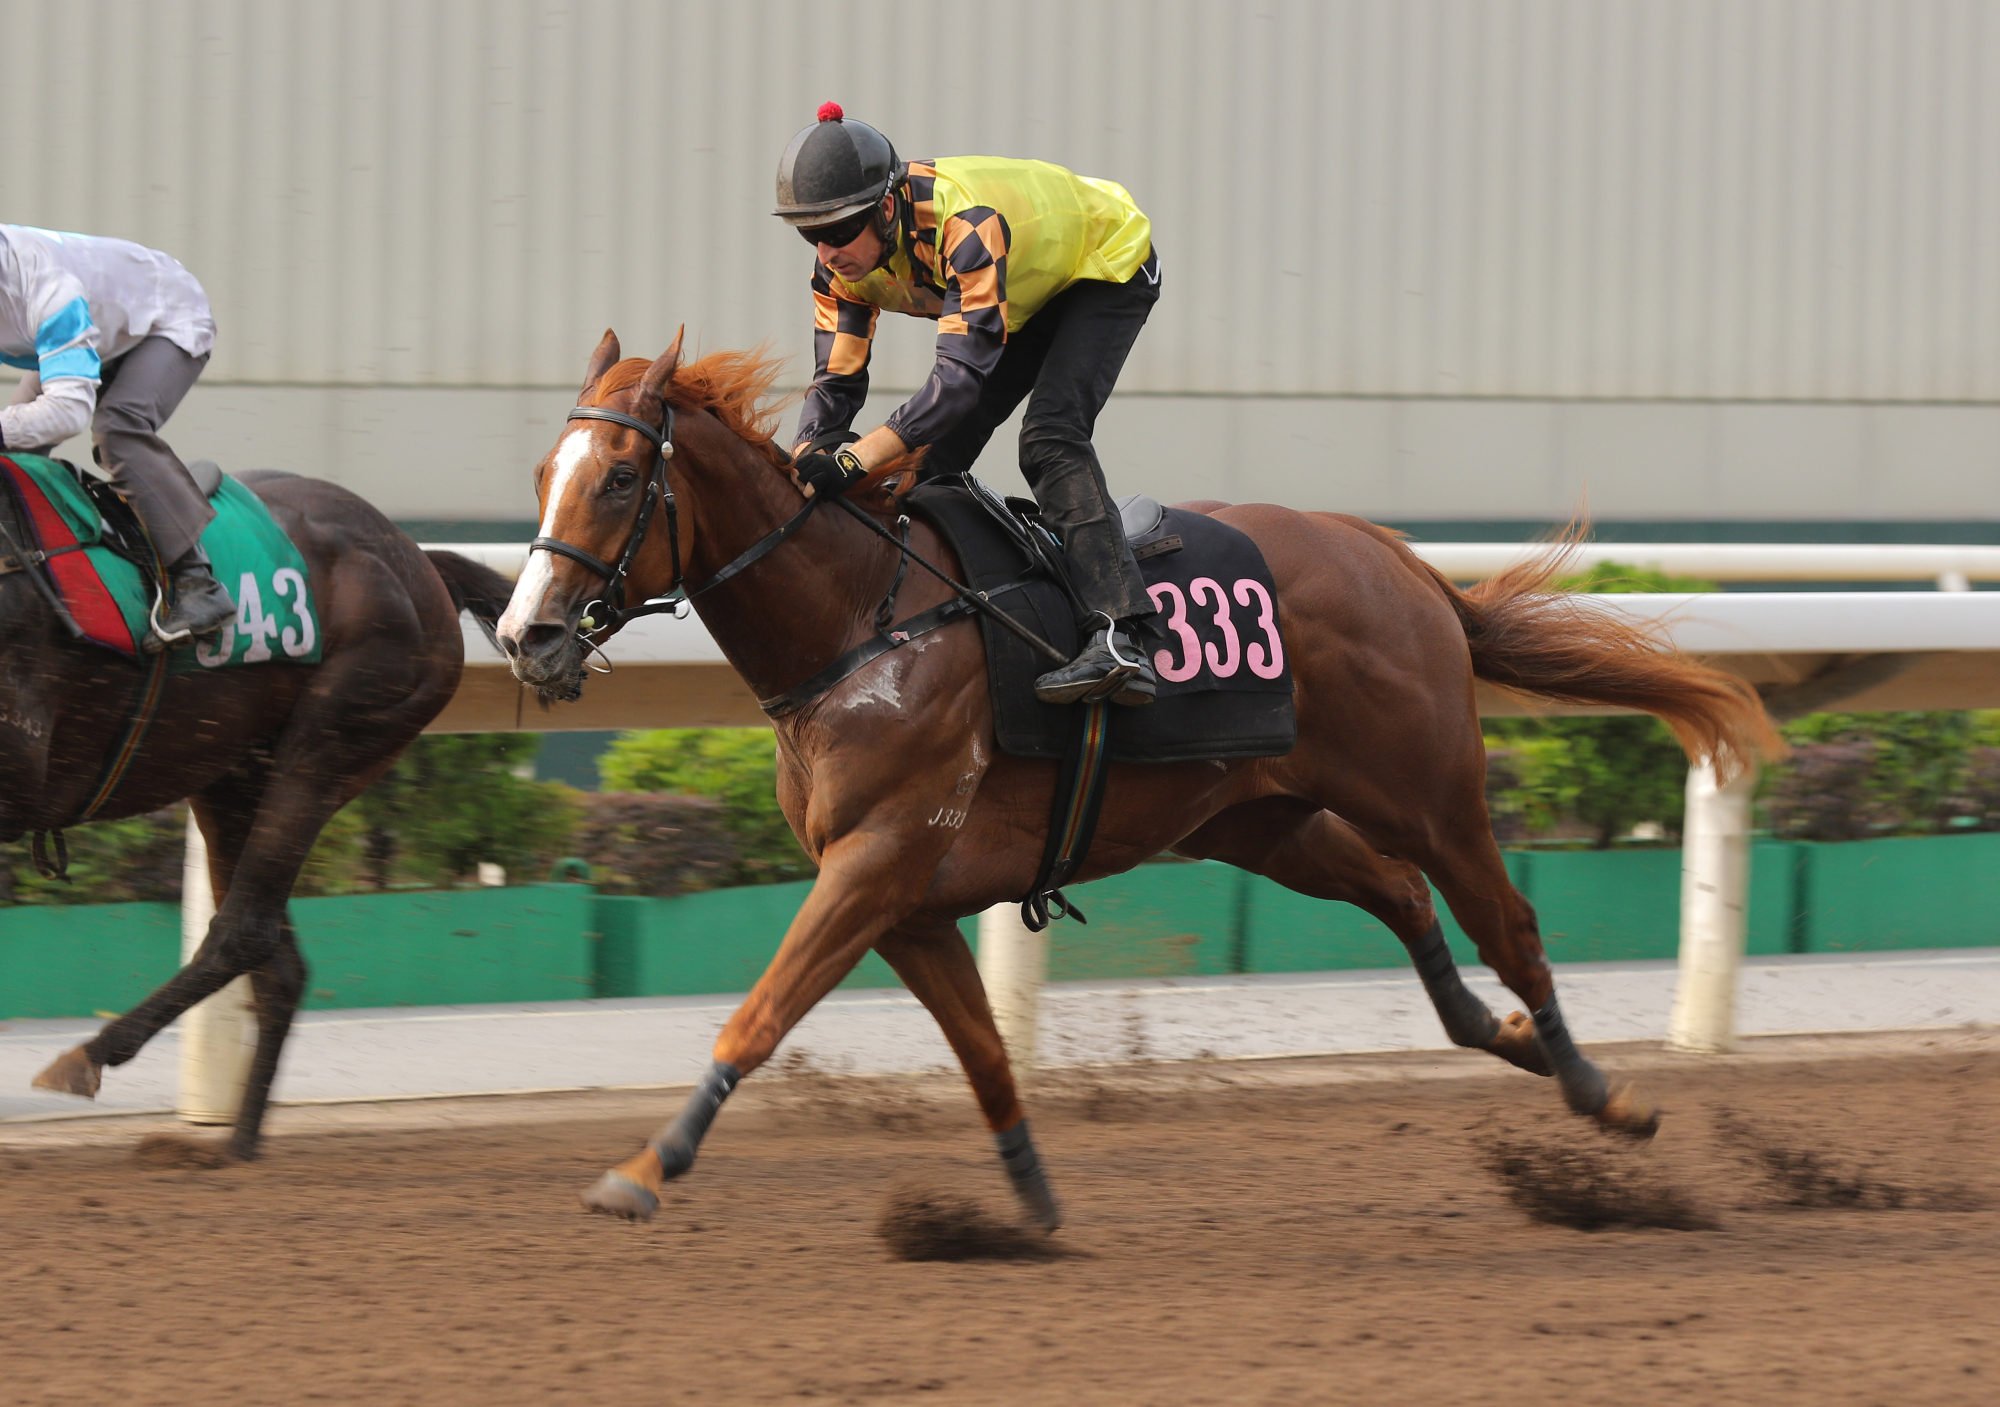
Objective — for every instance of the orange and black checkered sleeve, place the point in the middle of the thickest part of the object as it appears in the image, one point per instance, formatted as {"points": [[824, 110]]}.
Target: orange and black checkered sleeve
{"points": [[972, 328], [842, 333]]}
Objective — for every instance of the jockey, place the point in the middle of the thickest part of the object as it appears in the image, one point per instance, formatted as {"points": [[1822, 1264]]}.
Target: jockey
{"points": [[1039, 280], [112, 336]]}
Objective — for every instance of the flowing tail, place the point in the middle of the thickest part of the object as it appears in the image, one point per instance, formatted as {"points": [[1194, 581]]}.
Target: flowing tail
{"points": [[1555, 645], [474, 587]]}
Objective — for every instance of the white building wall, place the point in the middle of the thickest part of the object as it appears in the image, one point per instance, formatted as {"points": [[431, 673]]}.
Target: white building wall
{"points": [[1422, 257]]}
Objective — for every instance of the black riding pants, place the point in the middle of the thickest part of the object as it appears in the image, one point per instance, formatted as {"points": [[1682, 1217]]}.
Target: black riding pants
{"points": [[1066, 361]]}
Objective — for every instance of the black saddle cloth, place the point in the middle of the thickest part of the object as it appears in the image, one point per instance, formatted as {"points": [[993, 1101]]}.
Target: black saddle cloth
{"points": [[1225, 679]]}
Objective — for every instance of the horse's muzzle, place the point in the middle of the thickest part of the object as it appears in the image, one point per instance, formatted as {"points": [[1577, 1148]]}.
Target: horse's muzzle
{"points": [[545, 657]]}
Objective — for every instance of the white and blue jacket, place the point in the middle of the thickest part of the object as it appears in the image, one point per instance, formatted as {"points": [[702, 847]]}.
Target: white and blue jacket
{"points": [[71, 304]]}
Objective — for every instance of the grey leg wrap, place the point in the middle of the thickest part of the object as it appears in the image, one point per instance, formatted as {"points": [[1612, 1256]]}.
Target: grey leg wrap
{"points": [[1466, 1018], [1024, 1170], [1583, 1085], [678, 1141]]}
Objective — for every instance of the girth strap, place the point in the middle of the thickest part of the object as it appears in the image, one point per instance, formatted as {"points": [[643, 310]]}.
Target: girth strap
{"points": [[1079, 795], [136, 727]]}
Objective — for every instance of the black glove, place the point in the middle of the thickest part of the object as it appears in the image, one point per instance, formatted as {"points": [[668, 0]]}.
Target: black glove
{"points": [[829, 472]]}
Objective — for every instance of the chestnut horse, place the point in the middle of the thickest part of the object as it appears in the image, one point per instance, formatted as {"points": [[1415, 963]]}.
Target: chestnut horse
{"points": [[665, 479], [266, 754]]}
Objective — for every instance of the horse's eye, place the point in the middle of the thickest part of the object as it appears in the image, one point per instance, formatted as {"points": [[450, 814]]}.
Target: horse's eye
{"points": [[620, 480]]}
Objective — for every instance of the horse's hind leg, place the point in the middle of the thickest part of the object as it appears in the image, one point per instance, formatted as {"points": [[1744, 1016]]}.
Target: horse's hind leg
{"points": [[937, 966], [278, 981], [1464, 862], [1316, 853], [277, 987]]}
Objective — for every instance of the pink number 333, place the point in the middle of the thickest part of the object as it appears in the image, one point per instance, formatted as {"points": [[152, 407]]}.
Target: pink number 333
{"points": [[1265, 657]]}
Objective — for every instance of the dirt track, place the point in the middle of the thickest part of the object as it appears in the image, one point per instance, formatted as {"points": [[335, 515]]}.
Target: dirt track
{"points": [[1313, 1232]]}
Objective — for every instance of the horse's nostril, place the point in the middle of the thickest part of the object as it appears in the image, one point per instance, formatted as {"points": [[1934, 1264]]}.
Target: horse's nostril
{"points": [[540, 639]]}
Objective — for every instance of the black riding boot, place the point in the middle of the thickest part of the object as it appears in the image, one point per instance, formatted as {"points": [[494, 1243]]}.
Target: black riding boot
{"points": [[201, 605], [1110, 666]]}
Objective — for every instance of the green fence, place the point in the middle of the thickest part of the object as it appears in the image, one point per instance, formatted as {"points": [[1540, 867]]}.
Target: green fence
{"points": [[441, 947], [554, 942], [84, 960]]}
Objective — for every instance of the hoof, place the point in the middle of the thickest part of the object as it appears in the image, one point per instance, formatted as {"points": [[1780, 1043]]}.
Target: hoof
{"points": [[615, 1194], [1040, 1204], [72, 1072], [1625, 1112], [1515, 1043]]}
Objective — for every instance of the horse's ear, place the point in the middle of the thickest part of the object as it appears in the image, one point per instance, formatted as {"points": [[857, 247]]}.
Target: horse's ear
{"points": [[654, 383], [601, 361]]}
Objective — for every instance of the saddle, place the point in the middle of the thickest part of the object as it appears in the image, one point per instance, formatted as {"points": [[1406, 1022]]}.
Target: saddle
{"points": [[117, 527], [1225, 688], [85, 549]]}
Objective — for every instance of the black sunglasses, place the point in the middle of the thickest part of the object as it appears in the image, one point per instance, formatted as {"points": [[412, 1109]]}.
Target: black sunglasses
{"points": [[842, 234]]}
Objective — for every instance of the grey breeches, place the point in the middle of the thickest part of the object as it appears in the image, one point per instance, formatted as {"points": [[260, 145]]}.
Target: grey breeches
{"points": [[140, 390]]}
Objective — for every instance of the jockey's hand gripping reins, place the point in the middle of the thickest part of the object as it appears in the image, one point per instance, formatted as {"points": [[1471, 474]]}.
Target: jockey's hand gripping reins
{"points": [[976, 600]]}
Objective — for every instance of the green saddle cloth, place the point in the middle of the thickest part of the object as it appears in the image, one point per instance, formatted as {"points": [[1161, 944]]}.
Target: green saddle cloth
{"points": [[275, 616]]}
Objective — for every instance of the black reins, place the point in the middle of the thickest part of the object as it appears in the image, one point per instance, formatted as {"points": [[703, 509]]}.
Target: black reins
{"points": [[975, 600], [677, 595]]}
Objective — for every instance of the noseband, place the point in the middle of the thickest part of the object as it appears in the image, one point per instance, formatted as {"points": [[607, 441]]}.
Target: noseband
{"points": [[658, 495]]}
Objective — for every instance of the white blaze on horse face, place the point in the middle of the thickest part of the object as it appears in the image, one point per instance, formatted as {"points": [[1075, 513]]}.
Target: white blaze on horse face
{"points": [[538, 576], [571, 451]]}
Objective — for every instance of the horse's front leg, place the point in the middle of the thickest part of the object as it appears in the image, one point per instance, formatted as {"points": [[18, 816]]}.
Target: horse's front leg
{"points": [[867, 883], [934, 962]]}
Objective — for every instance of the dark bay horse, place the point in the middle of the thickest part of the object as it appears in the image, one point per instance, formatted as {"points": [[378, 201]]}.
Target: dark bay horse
{"points": [[265, 754], [665, 477]]}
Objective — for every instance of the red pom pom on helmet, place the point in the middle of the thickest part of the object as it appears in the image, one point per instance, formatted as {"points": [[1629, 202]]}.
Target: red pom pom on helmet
{"points": [[830, 112]]}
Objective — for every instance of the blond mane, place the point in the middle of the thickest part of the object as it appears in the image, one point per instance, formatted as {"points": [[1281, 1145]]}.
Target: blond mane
{"points": [[731, 386]]}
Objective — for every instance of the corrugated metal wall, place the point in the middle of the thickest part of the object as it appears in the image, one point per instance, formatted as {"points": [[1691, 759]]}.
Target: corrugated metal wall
{"points": [[1731, 199]]}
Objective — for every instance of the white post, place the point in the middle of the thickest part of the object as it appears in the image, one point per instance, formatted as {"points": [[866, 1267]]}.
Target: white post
{"points": [[1715, 894], [219, 1035], [1013, 963]]}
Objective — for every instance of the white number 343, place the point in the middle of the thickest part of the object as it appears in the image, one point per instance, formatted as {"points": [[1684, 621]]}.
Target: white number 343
{"points": [[295, 638]]}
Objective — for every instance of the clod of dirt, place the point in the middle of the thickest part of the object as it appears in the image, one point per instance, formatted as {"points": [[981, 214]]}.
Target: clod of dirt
{"points": [[1590, 1191], [1800, 1177], [164, 1152], [924, 1225]]}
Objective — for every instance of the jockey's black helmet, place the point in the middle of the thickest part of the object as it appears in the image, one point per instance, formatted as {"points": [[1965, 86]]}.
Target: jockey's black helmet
{"points": [[833, 169]]}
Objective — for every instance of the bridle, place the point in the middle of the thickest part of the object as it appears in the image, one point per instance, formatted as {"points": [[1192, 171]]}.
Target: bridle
{"points": [[658, 495]]}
